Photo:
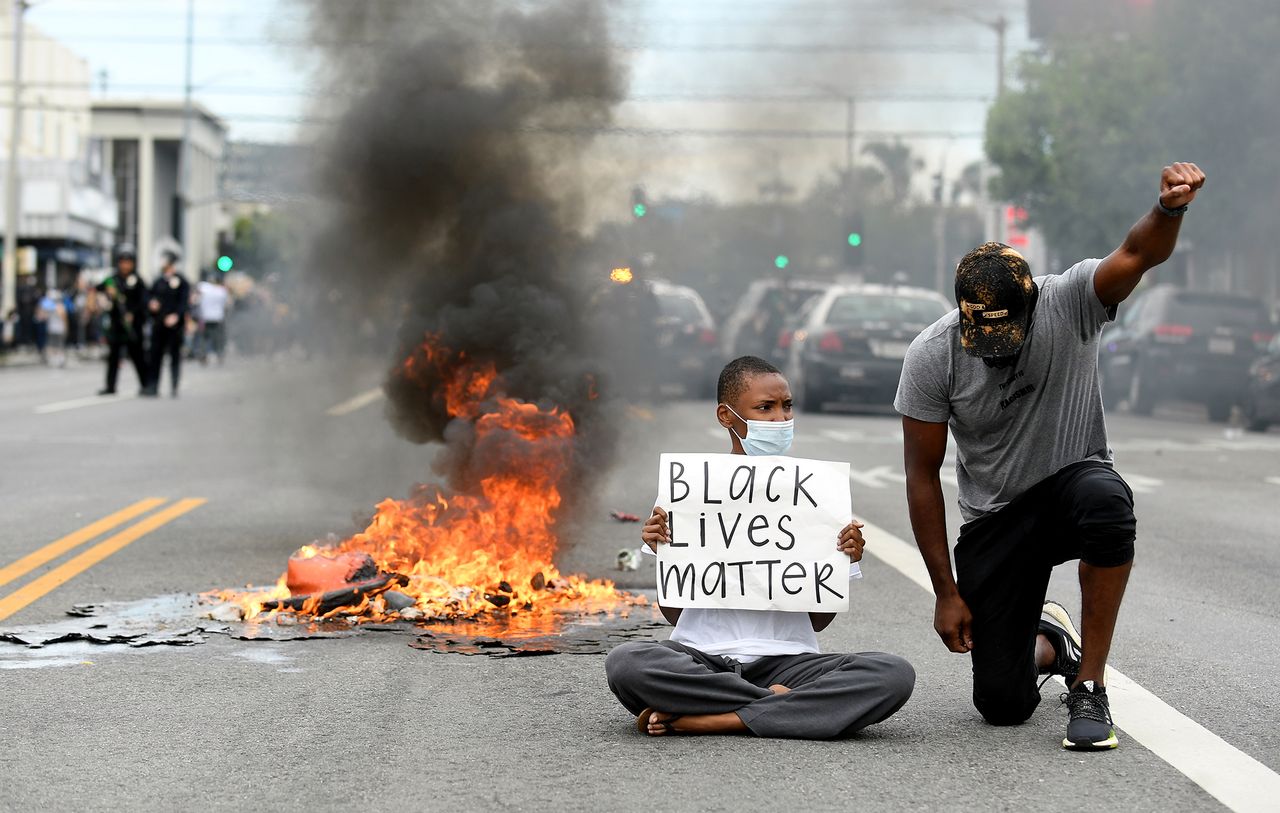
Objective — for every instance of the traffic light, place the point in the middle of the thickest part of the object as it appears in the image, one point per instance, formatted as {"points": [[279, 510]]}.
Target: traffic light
{"points": [[225, 263], [639, 206], [854, 239], [781, 261]]}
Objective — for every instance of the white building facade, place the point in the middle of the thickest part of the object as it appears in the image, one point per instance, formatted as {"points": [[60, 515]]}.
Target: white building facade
{"points": [[67, 207], [141, 145]]}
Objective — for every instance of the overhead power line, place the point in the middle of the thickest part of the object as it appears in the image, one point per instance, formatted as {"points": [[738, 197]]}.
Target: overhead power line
{"points": [[745, 98], [688, 48]]}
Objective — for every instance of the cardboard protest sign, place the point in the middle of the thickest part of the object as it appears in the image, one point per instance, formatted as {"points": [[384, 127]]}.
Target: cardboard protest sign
{"points": [[753, 533]]}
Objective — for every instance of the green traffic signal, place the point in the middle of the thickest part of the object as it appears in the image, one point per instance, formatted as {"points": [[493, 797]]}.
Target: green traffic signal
{"points": [[639, 210], [225, 263], [855, 239], [782, 261]]}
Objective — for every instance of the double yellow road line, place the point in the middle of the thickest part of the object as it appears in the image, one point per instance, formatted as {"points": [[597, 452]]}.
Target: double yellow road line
{"points": [[73, 567]]}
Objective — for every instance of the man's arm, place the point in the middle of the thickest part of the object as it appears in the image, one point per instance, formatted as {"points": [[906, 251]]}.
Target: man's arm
{"points": [[925, 446], [1151, 240]]}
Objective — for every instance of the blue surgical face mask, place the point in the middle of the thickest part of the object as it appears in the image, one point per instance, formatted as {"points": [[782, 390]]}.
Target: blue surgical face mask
{"points": [[765, 437]]}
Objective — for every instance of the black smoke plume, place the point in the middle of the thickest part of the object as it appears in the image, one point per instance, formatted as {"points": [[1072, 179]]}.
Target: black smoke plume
{"points": [[449, 214]]}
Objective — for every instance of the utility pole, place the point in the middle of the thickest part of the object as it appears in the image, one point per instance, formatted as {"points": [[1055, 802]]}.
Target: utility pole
{"points": [[1000, 26], [182, 205], [11, 189], [849, 132]]}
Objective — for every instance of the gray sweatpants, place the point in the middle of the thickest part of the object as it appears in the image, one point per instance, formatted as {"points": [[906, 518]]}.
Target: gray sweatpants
{"points": [[831, 695]]}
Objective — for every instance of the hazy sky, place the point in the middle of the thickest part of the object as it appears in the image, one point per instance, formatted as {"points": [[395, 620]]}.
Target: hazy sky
{"points": [[937, 52]]}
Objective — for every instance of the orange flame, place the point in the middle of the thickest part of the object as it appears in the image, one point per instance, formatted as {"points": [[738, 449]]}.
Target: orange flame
{"points": [[487, 551]]}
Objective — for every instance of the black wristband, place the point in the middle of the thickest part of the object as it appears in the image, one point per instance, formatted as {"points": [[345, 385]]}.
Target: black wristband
{"points": [[1167, 212]]}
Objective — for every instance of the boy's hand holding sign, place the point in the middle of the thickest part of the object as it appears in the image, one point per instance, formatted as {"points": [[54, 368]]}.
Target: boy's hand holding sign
{"points": [[754, 533]]}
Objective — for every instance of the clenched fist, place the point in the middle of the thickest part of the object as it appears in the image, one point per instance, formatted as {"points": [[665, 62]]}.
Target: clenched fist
{"points": [[1179, 183]]}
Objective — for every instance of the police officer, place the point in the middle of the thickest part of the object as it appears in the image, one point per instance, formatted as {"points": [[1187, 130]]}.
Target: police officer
{"points": [[126, 318], [170, 299]]}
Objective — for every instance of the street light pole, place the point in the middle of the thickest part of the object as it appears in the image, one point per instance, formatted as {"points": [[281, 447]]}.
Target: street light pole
{"points": [[184, 152], [11, 189]]}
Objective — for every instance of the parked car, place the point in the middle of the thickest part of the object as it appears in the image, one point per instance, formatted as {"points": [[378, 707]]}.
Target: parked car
{"points": [[763, 313], [688, 347], [849, 350], [1261, 405], [1189, 345]]}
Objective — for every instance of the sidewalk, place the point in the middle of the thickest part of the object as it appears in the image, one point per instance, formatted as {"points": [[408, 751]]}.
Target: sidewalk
{"points": [[28, 357]]}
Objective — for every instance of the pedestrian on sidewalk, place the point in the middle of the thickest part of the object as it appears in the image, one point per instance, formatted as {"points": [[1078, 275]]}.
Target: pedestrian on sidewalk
{"points": [[170, 298], [215, 302], [126, 318], [43, 309], [51, 316], [1014, 372]]}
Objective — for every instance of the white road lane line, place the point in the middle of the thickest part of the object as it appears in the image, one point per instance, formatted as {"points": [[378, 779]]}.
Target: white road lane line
{"points": [[1231, 776], [1140, 483], [78, 403], [358, 402], [872, 477], [1275, 481], [840, 436]]}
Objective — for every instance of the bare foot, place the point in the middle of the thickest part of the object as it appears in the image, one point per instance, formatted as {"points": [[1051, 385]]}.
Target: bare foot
{"points": [[662, 723], [778, 688]]}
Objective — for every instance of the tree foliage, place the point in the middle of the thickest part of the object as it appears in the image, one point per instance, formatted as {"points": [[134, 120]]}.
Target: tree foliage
{"points": [[1081, 144]]}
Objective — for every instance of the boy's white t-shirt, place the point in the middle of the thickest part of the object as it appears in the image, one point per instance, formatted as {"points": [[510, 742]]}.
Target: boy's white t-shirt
{"points": [[745, 635]]}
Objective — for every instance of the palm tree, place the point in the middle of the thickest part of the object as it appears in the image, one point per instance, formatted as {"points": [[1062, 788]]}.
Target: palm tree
{"points": [[970, 181], [899, 166]]}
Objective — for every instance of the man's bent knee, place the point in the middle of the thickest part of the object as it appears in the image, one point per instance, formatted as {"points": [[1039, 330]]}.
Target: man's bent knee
{"points": [[1005, 706], [1006, 694], [1106, 523]]}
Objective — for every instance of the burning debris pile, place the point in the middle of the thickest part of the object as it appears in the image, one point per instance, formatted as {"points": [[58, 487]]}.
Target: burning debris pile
{"points": [[450, 184], [447, 554]]}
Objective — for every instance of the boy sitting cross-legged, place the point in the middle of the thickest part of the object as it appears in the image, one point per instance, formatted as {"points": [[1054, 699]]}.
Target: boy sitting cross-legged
{"points": [[726, 671]]}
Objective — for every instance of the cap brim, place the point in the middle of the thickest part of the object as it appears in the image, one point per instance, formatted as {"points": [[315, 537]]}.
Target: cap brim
{"points": [[992, 340]]}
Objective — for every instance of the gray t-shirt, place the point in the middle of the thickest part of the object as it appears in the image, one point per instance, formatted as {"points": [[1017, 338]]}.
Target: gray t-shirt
{"points": [[1016, 426]]}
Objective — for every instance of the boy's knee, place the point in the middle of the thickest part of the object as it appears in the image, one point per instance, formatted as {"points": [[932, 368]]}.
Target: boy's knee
{"points": [[627, 662], [896, 676], [899, 677]]}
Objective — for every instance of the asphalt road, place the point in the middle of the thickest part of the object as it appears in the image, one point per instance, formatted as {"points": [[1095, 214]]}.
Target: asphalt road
{"points": [[368, 722]]}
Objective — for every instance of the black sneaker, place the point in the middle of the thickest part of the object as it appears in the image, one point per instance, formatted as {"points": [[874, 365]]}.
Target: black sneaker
{"points": [[1089, 725], [1055, 624]]}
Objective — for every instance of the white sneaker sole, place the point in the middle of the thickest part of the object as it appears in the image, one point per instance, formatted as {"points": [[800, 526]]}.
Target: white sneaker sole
{"points": [[1059, 613], [1105, 745]]}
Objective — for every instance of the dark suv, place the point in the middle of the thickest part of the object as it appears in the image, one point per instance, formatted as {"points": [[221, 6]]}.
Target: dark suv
{"points": [[1188, 345], [1262, 403]]}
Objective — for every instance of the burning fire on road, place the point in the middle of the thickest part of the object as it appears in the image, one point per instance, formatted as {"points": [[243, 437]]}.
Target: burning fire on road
{"points": [[445, 555]]}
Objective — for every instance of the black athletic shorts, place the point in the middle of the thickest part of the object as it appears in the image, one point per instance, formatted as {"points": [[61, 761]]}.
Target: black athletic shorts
{"points": [[1003, 562]]}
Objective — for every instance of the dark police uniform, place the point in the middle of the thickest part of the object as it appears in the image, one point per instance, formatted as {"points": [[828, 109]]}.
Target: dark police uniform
{"points": [[173, 294], [125, 321]]}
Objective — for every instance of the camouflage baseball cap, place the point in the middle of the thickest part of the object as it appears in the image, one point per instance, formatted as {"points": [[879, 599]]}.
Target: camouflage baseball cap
{"points": [[994, 291]]}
